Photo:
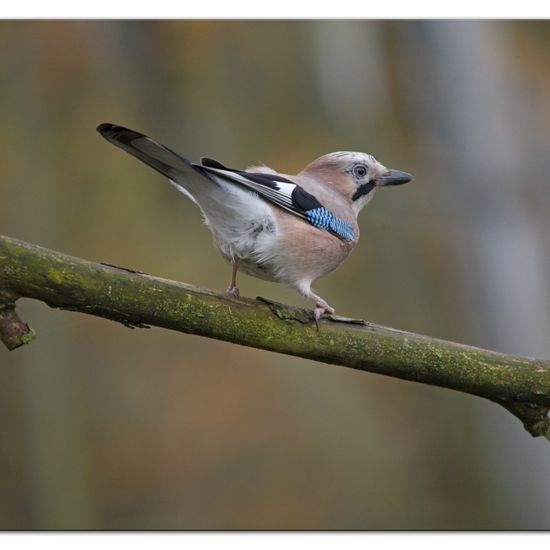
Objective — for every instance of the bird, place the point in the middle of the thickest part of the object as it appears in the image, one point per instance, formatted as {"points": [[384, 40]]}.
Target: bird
{"points": [[290, 229]]}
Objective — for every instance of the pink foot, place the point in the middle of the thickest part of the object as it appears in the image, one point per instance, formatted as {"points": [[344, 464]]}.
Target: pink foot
{"points": [[320, 309]]}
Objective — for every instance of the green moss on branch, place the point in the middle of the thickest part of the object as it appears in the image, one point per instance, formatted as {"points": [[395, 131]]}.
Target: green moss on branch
{"points": [[135, 299]]}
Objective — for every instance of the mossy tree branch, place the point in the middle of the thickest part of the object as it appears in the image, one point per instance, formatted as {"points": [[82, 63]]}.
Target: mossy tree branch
{"points": [[520, 384]]}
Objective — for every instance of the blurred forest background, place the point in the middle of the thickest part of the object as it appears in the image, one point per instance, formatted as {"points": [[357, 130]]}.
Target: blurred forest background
{"points": [[102, 427]]}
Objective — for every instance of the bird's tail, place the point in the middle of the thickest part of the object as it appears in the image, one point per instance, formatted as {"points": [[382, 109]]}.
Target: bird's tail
{"points": [[164, 160]]}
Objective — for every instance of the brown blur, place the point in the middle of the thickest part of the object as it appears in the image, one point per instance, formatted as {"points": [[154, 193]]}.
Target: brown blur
{"points": [[102, 427]]}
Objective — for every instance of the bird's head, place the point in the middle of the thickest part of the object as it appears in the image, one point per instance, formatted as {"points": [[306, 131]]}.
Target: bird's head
{"points": [[355, 175]]}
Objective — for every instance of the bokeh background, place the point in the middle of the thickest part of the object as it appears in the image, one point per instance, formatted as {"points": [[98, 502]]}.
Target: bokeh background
{"points": [[102, 427]]}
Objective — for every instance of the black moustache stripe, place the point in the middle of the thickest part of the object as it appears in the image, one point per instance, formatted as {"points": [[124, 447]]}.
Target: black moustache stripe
{"points": [[363, 189]]}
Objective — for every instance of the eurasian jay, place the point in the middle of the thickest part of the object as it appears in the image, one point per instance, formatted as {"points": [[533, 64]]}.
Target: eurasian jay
{"points": [[278, 227]]}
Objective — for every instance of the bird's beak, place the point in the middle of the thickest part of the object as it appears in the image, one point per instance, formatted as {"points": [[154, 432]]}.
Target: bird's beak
{"points": [[394, 177]]}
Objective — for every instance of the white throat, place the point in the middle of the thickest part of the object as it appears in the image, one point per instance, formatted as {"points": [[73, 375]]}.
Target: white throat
{"points": [[361, 202]]}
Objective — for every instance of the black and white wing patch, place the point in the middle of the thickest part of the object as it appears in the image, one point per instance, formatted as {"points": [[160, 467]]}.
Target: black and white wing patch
{"points": [[284, 193]]}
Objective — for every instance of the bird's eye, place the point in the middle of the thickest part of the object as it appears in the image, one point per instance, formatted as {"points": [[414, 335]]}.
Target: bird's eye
{"points": [[359, 171]]}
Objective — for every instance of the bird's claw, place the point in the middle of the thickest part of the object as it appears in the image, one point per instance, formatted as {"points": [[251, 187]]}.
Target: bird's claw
{"points": [[320, 310]]}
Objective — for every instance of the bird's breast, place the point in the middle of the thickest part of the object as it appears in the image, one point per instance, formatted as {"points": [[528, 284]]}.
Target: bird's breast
{"points": [[285, 249]]}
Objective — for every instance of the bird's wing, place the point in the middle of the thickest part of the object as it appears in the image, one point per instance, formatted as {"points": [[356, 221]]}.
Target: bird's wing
{"points": [[284, 193], [271, 187]]}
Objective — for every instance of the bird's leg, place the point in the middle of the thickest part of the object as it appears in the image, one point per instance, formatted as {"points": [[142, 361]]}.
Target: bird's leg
{"points": [[232, 290], [321, 306]]}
